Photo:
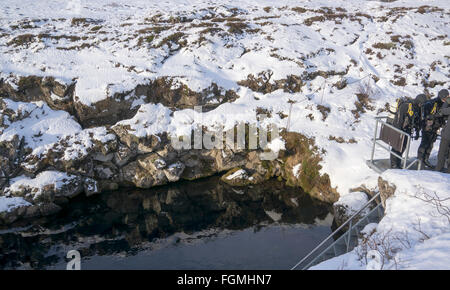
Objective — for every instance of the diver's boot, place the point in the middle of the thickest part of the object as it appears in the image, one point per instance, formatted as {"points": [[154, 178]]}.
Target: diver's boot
{"points": [[428, 164]]}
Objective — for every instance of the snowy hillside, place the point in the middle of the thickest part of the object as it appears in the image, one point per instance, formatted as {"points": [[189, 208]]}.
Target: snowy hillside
{"points": [[87, 80]]}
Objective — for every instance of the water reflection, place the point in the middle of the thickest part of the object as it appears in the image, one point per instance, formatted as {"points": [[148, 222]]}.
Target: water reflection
{"points": [[128, 228]]}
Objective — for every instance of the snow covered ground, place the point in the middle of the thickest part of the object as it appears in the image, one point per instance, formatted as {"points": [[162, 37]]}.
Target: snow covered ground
{"points": [[353, 57], [413, 234], [96, 43]]}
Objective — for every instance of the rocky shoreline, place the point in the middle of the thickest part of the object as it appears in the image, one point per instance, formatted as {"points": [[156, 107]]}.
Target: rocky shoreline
{"points": [[43, 170]]}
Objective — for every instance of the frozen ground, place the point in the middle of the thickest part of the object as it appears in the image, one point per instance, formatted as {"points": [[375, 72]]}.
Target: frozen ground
{"points": [[379, 50], [415, 231]]}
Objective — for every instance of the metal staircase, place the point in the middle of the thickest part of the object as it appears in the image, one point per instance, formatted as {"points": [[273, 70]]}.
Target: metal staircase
{"points": [[328, 248]]}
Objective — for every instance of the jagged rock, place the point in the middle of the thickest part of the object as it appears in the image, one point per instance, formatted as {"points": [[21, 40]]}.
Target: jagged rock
{"points": [[75, 153], [198, 164], [8, 114], [107, 171], [151, 162], [47, 209], [29, 211], [386, 190], [9, 149], [103, 157], [145, 144], [168, 153], [103, 161], [12, 208], [173, 171], [105, 112], [257, 178], [363, 188], [10, 152], [236, 177], [172, 93], [227, 159], [254, 163], [91, 186], [203, 163], [45, 187], [9, 217], [119, 106], [104, 172], [33, 88], [301, 167], [133, 174], [123, 155]]}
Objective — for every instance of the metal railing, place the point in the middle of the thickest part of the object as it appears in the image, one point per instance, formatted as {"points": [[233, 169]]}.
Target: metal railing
{"points": [[376, 139], [346, 239]]}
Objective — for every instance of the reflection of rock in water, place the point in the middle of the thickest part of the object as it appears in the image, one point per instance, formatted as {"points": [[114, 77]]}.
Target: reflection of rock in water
{"points": [[119, 222]]}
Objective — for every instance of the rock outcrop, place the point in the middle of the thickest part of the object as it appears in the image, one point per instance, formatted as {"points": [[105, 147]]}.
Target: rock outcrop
{"points": [[386, 190], [137, 152], [43, 195], [301, 167], [117, 106]]}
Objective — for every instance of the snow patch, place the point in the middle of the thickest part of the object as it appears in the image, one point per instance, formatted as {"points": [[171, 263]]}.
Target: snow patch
{"points": [[8, 204], [56, 178]]}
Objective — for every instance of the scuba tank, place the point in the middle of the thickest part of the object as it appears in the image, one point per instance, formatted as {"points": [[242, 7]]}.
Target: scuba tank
{"points": [[394, 109]]}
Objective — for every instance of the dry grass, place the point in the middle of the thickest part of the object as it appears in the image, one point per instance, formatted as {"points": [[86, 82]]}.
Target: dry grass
{"points": [[324, 111], [236, 27], [24, 39], [387, 45], [171, 39], [401, 82], [299, 9], [341, 140], [364, 101]]}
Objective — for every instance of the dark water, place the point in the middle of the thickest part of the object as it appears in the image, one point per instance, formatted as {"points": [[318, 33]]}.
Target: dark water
{"points": [[203, 224]]}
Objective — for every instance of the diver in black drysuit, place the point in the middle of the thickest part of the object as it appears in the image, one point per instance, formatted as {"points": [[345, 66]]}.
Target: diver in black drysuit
{"points": [[431, 123], [407, 119], [444, 147]]}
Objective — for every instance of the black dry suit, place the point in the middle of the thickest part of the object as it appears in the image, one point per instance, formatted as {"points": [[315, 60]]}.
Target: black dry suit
{"points": [[431, 121], [444, 147], [407, 119]]}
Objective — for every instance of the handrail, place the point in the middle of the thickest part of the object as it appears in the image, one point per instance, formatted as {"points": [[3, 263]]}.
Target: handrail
{"points": [[391, 126], [336, 231], [346, 237], [405, 159]]}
